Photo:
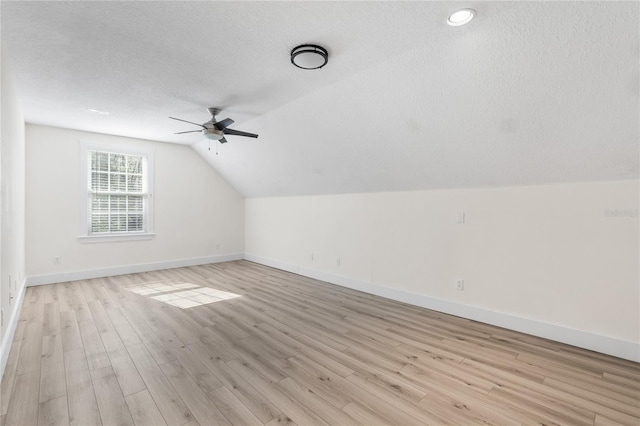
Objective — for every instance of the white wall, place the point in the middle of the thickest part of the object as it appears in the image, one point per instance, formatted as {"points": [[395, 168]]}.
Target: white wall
{"points": [[552, 260], [12, 208], [196, 213]]}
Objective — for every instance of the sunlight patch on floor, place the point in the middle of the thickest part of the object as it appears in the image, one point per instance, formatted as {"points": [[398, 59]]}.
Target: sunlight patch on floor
{"points": [[182, 295]]}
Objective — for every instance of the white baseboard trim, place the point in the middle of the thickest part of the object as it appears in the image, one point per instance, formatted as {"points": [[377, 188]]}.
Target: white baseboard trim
{"points": [[128, 269], [583, 339], [11, 328]]}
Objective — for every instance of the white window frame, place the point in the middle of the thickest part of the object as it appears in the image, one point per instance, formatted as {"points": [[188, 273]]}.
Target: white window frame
{"points": [[85, 235]]}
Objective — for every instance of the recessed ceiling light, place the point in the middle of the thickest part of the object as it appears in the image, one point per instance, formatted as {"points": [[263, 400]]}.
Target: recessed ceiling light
{"points": [[309, 56], [461, 17], [96, 111]]}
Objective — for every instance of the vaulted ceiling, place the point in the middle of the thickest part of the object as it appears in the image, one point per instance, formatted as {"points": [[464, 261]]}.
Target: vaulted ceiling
{"points": [[527, 93]]}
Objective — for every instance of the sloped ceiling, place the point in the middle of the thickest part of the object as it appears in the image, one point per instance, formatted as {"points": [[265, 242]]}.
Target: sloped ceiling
{"points": [[528, 92]]}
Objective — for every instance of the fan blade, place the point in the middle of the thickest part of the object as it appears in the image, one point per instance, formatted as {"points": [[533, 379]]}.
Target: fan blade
{"points": [[239, 133], [223, 140], [190, 122], [220, 125], [190, 131]]}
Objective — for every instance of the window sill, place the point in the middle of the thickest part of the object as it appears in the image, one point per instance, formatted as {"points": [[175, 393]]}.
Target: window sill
{"points": [[112, 238]]}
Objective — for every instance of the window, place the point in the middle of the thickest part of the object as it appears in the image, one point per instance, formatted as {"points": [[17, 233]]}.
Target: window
{"points": [[116, 194]]}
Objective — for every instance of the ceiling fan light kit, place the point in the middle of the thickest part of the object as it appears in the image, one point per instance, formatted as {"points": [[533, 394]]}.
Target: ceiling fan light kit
{"points": [[213, 134], [309, 56]]}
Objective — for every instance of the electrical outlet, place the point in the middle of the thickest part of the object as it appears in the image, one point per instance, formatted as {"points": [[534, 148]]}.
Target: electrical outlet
{"points": [[459, 285], [338, 261], [312, 257], [460, 217], [57, 260]]}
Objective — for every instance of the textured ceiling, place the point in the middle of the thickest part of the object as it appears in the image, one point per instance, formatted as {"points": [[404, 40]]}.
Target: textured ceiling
{"points": [[528, 92]]}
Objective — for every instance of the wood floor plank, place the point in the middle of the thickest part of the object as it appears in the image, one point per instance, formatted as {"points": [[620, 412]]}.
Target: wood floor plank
{"points": [[87, 291], [333, 340], [71, 339], [402, 389], [100, 317], [459, 408], [281, 420], [144, 410], [390, 394], [123, 367], [50, 293], [260, 406], [377, 404], [186, 322], [304, 373], [319, 406], [83, 407], [555, 365], [622, 404], [205, 379], [299, 346], [78, 302], [161, 354], [602, 386], [165, 320], [220, 345], [233, 329], [97, 357], [123, 327], [51, 319], [534, 400], [266, 366], [52, 376], [64, 297], [330, 358], [102, 294], [621, 380], [23, 409], [195, 398], [266, 319], [542, 410], [164, 334], [111, 403], [172, 407], [291, 408], [30, 353], [603, 421], [35, 320], [20, 327], [54, 412], [232, 408], [363, 415]]}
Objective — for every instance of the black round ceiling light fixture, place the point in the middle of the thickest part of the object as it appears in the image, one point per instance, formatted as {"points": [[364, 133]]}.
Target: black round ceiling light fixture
{"points": [[309, 56]]}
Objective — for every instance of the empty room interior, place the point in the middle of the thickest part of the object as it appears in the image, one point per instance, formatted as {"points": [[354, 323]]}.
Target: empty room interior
{"points": [[320, 213]]}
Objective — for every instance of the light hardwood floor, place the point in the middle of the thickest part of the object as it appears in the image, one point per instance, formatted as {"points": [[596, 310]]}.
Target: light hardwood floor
{"points": [[251, 345]]}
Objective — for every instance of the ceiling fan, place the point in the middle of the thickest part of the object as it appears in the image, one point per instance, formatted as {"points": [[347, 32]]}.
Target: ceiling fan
{"points": [[214, 129]]}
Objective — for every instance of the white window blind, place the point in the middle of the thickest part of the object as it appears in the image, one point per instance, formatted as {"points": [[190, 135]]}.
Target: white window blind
{"points": [[118, 193]]}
